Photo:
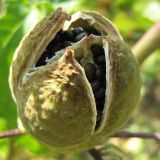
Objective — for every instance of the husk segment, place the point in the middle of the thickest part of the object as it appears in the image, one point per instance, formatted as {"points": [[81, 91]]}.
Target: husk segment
{"points": [[52, 104], [34, 42]]}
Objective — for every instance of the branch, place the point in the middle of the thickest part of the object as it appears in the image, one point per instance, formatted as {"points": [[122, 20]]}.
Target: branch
{"points": [[124, 134], [148, 43], [12, 133]]}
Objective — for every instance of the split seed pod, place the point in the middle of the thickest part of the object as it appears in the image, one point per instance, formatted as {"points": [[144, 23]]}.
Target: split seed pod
{"points": [[74, 80]]}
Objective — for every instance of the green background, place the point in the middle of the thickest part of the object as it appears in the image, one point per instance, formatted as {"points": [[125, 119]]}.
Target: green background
{"points": [[132, 18]]}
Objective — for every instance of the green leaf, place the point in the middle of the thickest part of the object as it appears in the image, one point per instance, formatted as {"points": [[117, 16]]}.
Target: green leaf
{"points": [[11, 33]]}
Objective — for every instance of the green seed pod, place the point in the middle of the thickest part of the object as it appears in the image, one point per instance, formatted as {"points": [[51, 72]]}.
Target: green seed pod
{"points": [[74, 80]]}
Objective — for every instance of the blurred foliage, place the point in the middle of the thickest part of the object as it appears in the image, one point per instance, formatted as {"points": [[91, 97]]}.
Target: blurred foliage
{"points": [[133, 19]]}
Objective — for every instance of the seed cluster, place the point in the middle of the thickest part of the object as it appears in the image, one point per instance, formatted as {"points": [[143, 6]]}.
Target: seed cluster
{"points": [[95, 72], [64, 39]]}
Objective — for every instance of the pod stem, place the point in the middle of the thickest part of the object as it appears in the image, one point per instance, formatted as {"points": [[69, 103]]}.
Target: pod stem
{"points": [[148, 43]]}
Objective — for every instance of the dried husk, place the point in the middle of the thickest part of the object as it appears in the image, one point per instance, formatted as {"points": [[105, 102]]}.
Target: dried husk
{"points": [[55, 102]]}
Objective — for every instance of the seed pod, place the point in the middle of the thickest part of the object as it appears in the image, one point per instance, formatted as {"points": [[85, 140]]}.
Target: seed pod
{"points": [[74, 80]]}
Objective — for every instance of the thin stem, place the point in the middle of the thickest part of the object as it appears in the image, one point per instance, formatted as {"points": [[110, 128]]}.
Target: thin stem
{"points": [[12, 133], [137, 135], [11, 151], [148, 43]]}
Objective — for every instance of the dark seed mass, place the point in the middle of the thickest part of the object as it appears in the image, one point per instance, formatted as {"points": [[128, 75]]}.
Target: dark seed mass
{"points": [[57, 39], [93, 31], [90, 71], [99, 84], [76, 31], [95, 72], [64, 39], [100, 60], [67, 43], [95, 85], [97, 50], [100, 93], [100, 72], [68, 35]]}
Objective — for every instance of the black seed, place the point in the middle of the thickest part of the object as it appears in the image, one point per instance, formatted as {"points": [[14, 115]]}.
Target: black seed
{"points": [[90, 71], [97, 50], [67, 43], [42, 59], [54, 44], [95, 85], [51, 46], [93, 31], [100, 93], [80, 36], [100, 103], [100, 59], [57, 38], [76, 31], [68, 35], [100, 72], [57, 47], [55, 41]]}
